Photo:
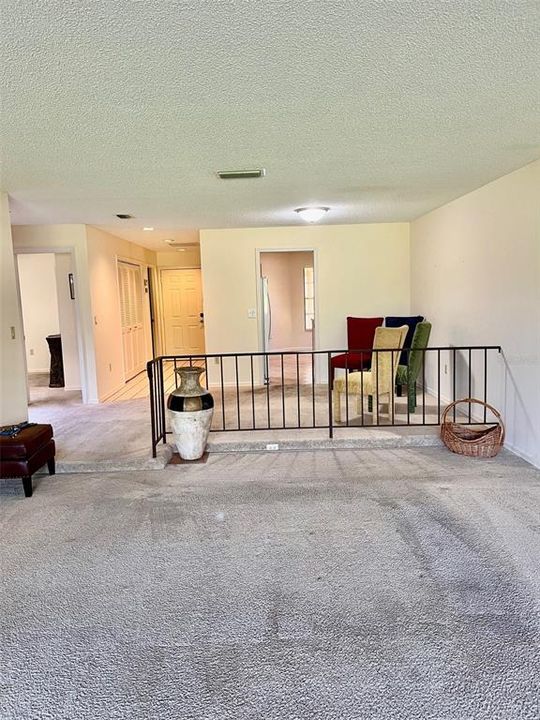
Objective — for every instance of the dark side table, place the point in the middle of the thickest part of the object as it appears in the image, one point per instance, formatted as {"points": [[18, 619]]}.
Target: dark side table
{"points": [[56, 379]]}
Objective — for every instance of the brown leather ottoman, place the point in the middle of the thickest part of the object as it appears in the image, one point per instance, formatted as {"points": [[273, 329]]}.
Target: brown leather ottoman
{"points": [[26, 452]]}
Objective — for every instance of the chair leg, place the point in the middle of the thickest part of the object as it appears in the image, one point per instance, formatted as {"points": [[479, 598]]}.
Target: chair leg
{"points": [[27, 485], [337, 406], [51, 466], [411, 397]]}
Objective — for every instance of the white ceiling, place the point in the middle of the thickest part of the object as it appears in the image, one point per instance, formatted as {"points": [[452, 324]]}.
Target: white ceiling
{"points": [[382, 110]]}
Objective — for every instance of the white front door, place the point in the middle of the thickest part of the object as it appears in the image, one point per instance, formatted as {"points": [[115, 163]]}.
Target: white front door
{"points": [[182, 312]]}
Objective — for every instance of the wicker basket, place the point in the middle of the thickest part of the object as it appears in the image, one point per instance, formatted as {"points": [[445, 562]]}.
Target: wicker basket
{"points": [[459, 438]]}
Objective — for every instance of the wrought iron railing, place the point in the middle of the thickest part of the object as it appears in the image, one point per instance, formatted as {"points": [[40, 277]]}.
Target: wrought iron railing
{"points": [[290, 390]]}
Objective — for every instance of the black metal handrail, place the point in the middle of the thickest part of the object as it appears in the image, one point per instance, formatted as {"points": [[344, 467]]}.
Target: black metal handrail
{"points": [[241, 392]]}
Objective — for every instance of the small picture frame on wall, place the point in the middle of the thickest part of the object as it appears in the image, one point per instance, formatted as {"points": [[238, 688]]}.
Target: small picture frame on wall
{"points": [[71, 286]]}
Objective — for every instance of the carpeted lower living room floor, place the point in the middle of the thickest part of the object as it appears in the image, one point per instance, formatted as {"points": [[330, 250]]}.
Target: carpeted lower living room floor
{"points": [[372, 584]]}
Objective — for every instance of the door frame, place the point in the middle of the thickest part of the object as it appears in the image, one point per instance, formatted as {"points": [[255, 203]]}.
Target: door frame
{"points": [[260, 325], [81, 344]]}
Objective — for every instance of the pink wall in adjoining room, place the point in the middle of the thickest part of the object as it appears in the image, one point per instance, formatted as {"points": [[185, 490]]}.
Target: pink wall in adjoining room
{"points": [[285, 273]]}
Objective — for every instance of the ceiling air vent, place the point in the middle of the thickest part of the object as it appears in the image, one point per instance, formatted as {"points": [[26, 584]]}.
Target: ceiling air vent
{"points": [[241, 174], [124, 216]]}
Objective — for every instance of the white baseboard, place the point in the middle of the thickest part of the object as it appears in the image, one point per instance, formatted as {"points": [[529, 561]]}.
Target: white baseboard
{"points": [[104, 398], [524, 456]]}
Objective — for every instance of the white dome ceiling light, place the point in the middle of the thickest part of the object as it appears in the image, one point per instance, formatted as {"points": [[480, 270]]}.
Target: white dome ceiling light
{"points": [[312, 214]]}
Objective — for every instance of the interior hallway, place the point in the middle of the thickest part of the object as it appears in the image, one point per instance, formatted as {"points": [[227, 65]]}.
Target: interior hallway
{"points": [[314, 585]]}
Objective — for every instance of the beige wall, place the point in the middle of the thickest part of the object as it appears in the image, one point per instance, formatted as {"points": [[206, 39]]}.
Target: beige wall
{"points": [[189, 257], [72, 238], [103, 251], [37, 282], [475, 272], [95, 253], [285, 273], [13, 392], [67, 318], [359, 269]]}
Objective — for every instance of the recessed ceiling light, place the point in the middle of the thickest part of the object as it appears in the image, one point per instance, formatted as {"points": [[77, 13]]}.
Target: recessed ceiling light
{"points": [[312, 214], [148, 229], [180, 249]]}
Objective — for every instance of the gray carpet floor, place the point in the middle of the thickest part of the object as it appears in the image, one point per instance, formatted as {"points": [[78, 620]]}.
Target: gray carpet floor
{"points": [[375, 584]]}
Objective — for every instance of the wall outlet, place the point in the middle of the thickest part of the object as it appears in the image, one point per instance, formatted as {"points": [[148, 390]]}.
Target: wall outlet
{"points": [[252, 313], [272, 446], [31, 351]]}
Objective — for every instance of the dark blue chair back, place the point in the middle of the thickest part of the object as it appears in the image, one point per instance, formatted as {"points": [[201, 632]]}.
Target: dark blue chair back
{"points": [[412, 321]]}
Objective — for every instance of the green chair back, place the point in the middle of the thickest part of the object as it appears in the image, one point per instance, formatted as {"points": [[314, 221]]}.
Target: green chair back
{"points": [[419, 342]]}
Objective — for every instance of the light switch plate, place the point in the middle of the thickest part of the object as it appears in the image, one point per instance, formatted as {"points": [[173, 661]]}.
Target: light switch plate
{"points": [[252, 313]]}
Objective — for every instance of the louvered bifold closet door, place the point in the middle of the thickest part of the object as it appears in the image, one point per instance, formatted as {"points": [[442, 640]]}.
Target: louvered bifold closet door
{"points": [[131, 312]]}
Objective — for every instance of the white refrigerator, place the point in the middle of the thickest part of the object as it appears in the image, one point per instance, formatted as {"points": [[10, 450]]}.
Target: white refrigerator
{"points": [[266, 325]]}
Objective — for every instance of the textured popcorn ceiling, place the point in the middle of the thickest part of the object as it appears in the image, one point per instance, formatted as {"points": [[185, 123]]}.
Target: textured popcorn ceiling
{"points": [[382, 110]]}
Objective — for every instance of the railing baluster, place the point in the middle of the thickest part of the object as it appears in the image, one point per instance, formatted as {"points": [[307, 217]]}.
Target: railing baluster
{"points": [[470, 382], [362, 385], [252, 391], [485, 383], [454, 381], [423, 387], [162, 401], [282, 391], [298, 387], [313, 386], [222, 391], [330, 416], [438, 387], [150, 372], [409, 390], [392, 388], [237, 390], [375, 408], [268, 389], [346, 392]]}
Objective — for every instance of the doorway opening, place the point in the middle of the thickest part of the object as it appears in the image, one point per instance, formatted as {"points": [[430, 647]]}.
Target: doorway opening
{"points": [[51, 335], [288, 312]]}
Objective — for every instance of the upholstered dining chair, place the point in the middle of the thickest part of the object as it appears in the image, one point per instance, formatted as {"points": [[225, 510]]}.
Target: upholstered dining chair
{"points": [[377, 383], [399, 320], [408, 374], [360, 335]]}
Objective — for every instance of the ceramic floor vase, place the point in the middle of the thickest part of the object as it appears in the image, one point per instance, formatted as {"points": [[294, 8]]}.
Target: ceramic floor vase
{"points": [[191, 408]]}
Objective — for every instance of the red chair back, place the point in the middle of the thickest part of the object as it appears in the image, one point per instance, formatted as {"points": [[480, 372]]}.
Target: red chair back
{"points": [[361, 332]]}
